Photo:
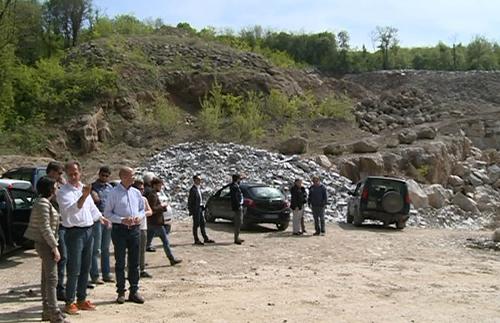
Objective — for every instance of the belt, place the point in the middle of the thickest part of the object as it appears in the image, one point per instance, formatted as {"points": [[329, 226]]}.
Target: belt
{"points": [[124, 226], [79, 228]]}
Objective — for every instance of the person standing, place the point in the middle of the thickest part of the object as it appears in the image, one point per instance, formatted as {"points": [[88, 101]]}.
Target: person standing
{"points": [[318, 198], [43, 228], [297, 201], [55, 171], [78, 213], [147, 178], [125, 209], [139, 184], [195, 207], [101, 233], [156, 221], [236, 206]]}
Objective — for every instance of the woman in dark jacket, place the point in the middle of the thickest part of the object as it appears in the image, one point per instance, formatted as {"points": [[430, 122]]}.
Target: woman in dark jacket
{"points": [[43, 229], [298, 199]]}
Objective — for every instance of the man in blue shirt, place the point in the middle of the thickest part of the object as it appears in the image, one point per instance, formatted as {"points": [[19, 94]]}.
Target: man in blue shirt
{"points": [[101, 233], [318, 198], [125, 209]]}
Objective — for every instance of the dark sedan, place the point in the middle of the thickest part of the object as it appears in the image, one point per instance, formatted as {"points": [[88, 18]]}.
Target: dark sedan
{"points": [[261, 204]]}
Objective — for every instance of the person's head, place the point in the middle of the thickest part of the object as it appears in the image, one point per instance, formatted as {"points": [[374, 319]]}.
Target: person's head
{"points": [[73, 172], [55, 170], [46, 186], [316, 180], [156, 184], [104, 174], [197, 180], [147, 178], [139, 184], [126, 175], [298, 182], [236, 178]]}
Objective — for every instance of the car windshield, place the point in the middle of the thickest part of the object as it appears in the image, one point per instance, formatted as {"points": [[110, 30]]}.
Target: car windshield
{"points": [[265, 192], [22, 199]]}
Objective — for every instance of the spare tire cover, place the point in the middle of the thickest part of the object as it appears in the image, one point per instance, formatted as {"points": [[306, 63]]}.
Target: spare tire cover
{"points": [[392, 202]]}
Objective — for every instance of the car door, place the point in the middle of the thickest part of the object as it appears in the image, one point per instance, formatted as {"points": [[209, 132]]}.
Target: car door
{"points": [[354, 199], [221, 203], [22, 204]]}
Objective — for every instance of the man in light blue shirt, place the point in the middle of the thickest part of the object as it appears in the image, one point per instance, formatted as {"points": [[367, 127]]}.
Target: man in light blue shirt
{"points": [[125, 209]]}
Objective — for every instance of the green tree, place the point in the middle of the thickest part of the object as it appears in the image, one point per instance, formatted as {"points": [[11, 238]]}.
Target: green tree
{"points": [[387, 40], [66, 18], [480, 55]]}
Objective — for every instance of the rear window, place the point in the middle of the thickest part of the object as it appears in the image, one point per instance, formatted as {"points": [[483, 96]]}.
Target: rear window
{"points": [[378, 187], [22, 199], [264, 192], [21, 175]]}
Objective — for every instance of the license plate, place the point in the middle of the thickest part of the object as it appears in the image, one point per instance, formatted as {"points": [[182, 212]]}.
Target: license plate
{"points": [[371, 205], [270, 216]]}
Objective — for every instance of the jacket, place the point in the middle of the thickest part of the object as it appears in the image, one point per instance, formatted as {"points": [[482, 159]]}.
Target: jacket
{"points": [[44, 223], [194, 201], [236, 196], [155, 204], [298, 198], [318, 197]]}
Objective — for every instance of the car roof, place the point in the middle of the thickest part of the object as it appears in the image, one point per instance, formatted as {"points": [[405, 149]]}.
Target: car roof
{"points": [[15, 183], [249, 185], [25, 167], [385, 178]]}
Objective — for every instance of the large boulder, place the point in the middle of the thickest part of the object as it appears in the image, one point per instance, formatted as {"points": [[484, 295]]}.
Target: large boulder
{"points": [[348, 168], [371, 165], [465, 203], [426, 133], [293, 146], [323, 161], [418, 196], [334, 149], [493, 173], [88, 130], [127, 107], [365, 146], [496, 235], [487, 198], [455, 181], [437, 195], [407, 137]]}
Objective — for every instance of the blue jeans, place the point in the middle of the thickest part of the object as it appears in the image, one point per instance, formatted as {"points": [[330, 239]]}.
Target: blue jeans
{"points": [[161, 232], [96, 250], [79, 243], [319, 218], [105, 243], [126, 240], [61, 265]]}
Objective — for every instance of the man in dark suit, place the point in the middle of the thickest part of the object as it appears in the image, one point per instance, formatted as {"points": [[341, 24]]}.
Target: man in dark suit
{"points": [[237, 207], [195, 207]]}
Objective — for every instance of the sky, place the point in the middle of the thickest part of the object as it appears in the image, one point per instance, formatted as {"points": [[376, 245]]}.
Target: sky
{"points": [[419, 23]]}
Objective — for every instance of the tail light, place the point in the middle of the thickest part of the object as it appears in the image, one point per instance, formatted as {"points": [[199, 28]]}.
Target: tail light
{"points": [[249, 203], [10, 187], [407, 199], [364, 194]]}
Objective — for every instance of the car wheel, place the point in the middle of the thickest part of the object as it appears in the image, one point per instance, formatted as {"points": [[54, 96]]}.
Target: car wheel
{"points": [[357, 219], [208, 216], [282, 226], [3, 242], [348, 217], [392, 202], [400, 225]]}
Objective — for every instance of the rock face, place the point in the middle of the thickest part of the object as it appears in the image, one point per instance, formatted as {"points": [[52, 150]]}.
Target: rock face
{"points": [[294, 146]]}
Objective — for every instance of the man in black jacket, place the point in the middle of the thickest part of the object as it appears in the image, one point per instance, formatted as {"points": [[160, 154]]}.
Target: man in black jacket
{"points": [[195, 207], [298, 199], [237, 207], [318, 199]]}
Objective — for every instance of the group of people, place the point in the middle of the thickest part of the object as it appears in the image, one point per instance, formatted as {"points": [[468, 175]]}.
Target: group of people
{"points": [[73, 224]]}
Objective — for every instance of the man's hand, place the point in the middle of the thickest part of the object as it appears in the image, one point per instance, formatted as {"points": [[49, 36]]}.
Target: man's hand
{"points": [[56, 254], [128, 221], [137, 220], [105, 222], [86, 190]]}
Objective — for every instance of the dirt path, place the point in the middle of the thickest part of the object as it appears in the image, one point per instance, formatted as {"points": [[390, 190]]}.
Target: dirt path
{"points": [[350, 275]]}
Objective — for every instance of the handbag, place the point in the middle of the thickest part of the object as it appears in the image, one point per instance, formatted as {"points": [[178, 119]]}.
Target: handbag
{"points": [[168, 215]]}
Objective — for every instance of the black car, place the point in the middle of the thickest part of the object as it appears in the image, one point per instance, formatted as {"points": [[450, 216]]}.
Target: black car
{"points": [[261, 204], [16, 202], [379, 198], [31, 174]]}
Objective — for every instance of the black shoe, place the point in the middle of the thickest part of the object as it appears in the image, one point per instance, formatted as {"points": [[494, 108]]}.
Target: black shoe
{"points": [[151, 249], [239, 241], [296, 233], [61, 296], [145, 274], [90, 285], [198, 243], [316, 234], [136, 298], [209, 241], [109, 279], [175, 261], [121, 298]]}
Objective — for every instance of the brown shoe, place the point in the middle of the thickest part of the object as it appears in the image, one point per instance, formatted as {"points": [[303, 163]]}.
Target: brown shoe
{"points": [[136, 298], [97, 281], [121, 298], [86, 305], [71, 309]]}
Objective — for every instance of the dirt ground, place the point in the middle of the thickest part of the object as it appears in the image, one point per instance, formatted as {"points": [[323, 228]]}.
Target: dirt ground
{"points": [[369, 274]]}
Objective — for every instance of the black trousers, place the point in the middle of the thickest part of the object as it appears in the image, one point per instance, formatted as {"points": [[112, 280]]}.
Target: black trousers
{"points": [[199, 222]]}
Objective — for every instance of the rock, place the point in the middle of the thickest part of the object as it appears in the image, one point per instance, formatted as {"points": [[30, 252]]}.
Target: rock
{"points": [[418, 196], [455, 181], [392, 142], [474, 180], [334, 149], [127, 107], [349, 169], [496, 235], [486, 198], [460, 169], [465, 203], [436, 195], [407, 137], [294, 146], [365, 146], [493, 173], [85, 130], [323, 161], [497, 184], [426, 133], [372, 165]]}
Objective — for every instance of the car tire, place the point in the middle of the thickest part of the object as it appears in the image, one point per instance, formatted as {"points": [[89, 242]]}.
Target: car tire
{"points": [[401, 224], [282, 226], [357, 219], [348, 217], [208, 216], [3, 242], [392, 202]]}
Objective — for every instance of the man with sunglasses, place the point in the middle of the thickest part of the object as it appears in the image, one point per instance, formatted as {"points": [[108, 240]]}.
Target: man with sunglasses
{"points": [[102, 234]]}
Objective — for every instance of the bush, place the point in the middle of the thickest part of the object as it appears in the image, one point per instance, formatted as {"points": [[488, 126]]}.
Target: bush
{"points": [[167, 115], [336, 107]]}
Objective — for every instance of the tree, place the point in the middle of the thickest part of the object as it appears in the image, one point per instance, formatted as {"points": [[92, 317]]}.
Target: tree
{"points": [[480, 55], [66, 18], [387, 39], [6, 22], [28, 31], [344, 65]]}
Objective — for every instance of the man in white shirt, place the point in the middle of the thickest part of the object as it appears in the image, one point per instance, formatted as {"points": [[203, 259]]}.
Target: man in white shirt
{"points": [[78, 214]]}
